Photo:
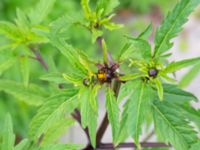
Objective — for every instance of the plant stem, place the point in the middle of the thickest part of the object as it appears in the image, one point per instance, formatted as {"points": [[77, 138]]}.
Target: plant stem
{"points": [[39, 58], [132, 145]]}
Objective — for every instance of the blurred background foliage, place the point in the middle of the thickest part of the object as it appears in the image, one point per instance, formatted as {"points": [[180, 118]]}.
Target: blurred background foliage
{"points": [[135, 14]]}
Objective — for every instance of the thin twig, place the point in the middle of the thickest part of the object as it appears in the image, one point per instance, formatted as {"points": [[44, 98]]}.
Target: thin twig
{"points": [[133, 145], [39, 58]]}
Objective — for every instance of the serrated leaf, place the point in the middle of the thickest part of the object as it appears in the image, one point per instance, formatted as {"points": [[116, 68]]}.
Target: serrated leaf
{"points": [[172, 127], [146, 34], [89, 115], [195, 146], [22, 21], [86, 8], [70, 53], [24, 68], [174, 66], [23, 145], [176, 95], [7, 64], [112, 26], [191, 113], [51, 111], [159, 88], [136, 49], [84, 96], [105, 7], [31, 95], [8, 138], [9, 30], [40, 12], [105, 51], [92, 126], [188, 77], [57, 130], [130, 77], [113, 112], [53, 77], [172, 25], [137, 106]]}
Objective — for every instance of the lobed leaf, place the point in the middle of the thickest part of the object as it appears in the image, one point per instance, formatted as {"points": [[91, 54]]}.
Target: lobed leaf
{"points": [[113, 112], [136, 49], [8, 138], [105, 7], [188, 77], [172, 25], [174, 66], [24, 68], [52, 111], [32, 95], [89, 111], [172, 127], [40, 12], [23, 145]]}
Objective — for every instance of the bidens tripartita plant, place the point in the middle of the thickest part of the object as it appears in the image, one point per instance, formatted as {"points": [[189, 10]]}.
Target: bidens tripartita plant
{"points": [[148, 89]]}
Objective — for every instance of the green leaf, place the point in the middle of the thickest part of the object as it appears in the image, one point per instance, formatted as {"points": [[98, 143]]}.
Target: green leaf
{"points": [[176, 95], [172, 127], [136, 49], [139, 104], [58, 129], [84, 96], [71, 54], [195, 146], [52, 111], [147, 32], [22, 21], [89, 115], [172, 25], [40, 12], [191, 113], [74, 78], [105, 7], [23, 145], [7, 64], [137, 107], [112, 26], [32, 95], [8, 137], [159, 88], [92, 126], [188, 77], [113, 112], [9, 30], [105, 51], [53, 77], [24, 67], [174, 66], [130, 77], [86, 8]]}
